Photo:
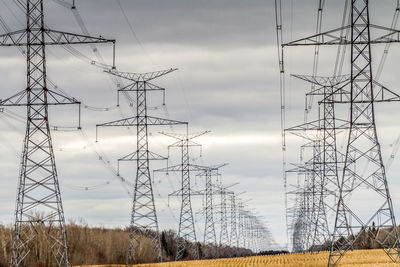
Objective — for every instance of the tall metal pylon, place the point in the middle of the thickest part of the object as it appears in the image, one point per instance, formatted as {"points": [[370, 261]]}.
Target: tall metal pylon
{"points": [[39, 209], [210, 236], [223, 237], [186, 231], [224, 193], [233, 241], [241, 219], [209, 226], [144, 223], [363, 148], [326, 164], [305, 222]]}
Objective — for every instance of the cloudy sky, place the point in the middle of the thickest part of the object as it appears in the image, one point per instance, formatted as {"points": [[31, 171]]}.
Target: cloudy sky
{"points": [[228, 83]]}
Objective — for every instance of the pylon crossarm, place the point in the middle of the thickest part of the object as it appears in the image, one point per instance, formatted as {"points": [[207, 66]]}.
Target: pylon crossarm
{"points": [[321, 91], [63, 38], [159, 121], [53, 98], [336, 37], [318, 125], [137, 120], [132, 121], [18, 38], [134, 157], [323, 81], [140, 86], [388, 36], [140, 77], [312, 125], [184, 143], [183, 137], [176, 168], [325, 38], [382, 94]]}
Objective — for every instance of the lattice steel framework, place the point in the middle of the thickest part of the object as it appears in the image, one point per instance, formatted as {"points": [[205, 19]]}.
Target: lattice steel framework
{"points": [[39, 211], [307, 209], [210, 236], [144, 221], [241, 233], [223, 237], [327, 164], [224, 193], [186, 231], [233, 241], [363, 149]]}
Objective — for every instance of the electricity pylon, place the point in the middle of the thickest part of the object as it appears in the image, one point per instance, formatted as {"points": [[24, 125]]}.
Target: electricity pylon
{"points": [[222, 190], [39, 210], [209, 226], [223, 237], [233, 241], [210, 236], [363, 148], [310, 218], [186, 231], [144, 223], [240, 213], [324, 195]]}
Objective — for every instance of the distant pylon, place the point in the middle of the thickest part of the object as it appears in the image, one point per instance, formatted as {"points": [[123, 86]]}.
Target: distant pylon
{"points": [[223, 237], [241, 227], [144, 221], [224, 193], [186, 231], [308, 210], [328, 186], [210, 236], [39, 210], [233, 241]]}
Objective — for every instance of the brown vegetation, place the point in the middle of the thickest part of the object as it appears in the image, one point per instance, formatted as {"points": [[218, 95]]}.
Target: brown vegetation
{"points": [[90, 246]]}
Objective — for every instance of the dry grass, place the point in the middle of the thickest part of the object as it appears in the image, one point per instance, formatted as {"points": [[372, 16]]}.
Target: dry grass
{"points": [[363, 258]]}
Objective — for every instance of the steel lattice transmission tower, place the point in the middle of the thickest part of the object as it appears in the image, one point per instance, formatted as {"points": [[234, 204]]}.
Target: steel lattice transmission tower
{"points": [[233, 240], [240, 213], [186, 231], [144, 221], [307, 196], [363, 148], [223, 237], [210, 236], [325, 163], [225, 194], [39, 210], [209, 226]]}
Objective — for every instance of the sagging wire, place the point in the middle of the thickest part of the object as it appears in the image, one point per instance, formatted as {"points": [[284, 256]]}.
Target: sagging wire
{"points": [[308, 103], [20, 119], [279, 42], [316, 57]]}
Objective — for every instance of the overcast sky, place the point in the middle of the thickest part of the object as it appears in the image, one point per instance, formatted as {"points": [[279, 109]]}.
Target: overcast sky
{"points": [[228, 83]]}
